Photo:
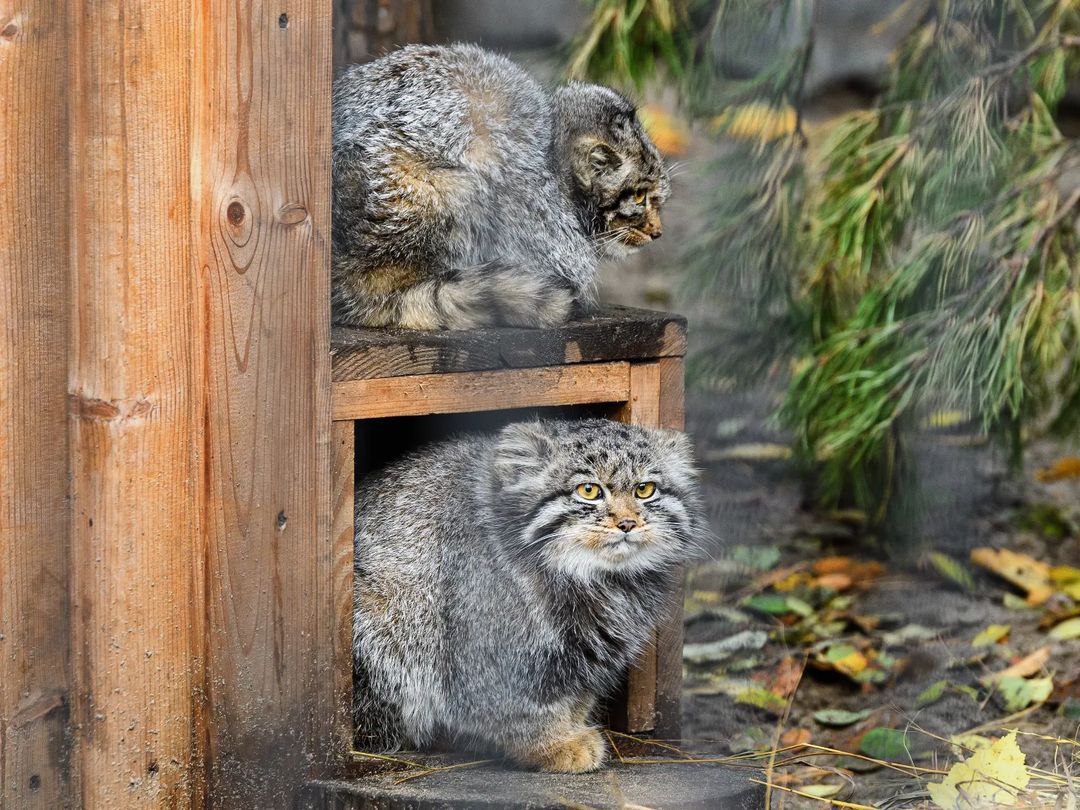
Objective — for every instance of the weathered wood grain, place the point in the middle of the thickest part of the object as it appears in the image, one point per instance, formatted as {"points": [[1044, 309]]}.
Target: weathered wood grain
{"points": [[34, 183], [669, 636], [343, 471], [614, 333], [636, 710], [481, 391], [134, 413], [262, 151]]}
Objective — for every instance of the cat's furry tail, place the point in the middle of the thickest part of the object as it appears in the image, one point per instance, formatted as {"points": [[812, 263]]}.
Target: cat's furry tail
{"points": [[490, 294]]}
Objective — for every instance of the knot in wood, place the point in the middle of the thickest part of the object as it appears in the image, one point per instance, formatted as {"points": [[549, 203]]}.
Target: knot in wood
{"points": [[235, 213], [292, 214]]}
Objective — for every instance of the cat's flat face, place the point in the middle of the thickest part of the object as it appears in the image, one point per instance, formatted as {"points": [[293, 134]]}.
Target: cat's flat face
{"points": [[616, 168], [588, 497]]}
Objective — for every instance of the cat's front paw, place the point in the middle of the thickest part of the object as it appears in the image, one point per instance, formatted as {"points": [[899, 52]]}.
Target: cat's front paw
{"points": [[578, 754]]}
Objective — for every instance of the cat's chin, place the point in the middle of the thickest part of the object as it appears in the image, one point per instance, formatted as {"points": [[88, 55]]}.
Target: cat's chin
{"points": [[585, 561], [616, 251]]}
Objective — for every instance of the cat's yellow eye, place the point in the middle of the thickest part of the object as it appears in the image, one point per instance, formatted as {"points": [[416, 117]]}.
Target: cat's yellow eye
{"points": [[589, 492], [639, 198], [646, 489]]}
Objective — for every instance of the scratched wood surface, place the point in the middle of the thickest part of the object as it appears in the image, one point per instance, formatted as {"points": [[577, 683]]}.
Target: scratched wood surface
{"points": [[262, 95], [343, 470], [613, 333], [33, 418], [133, 399], [481, 391], [635, 710], [669, 635]]}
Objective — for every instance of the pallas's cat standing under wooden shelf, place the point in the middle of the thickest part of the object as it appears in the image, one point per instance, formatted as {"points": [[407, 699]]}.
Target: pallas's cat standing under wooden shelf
{"points": [[505, 583], [466, 196]]}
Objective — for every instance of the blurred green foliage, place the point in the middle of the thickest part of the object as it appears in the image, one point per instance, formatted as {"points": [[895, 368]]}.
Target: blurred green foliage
{"points": [[917, 255]]}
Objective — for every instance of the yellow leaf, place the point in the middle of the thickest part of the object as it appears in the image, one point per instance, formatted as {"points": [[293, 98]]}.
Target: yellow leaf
{"points": [[793, 581], [821, 791], [1064, 574], [756, 121], [851, 664], [1021, 570], [974, 742], [991, 635], [990, 776], [947, 419], [1068, 629], [1067, 580], [754, 451]]}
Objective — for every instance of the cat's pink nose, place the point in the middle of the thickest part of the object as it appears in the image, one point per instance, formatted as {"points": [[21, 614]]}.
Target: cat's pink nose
{"points": [[626, 524]]}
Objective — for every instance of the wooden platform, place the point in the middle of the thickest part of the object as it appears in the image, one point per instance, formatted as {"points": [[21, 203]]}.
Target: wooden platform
{"points": [[613, 333]]}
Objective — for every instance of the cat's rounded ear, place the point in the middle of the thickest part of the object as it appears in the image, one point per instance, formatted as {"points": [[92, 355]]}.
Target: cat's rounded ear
{"points": [[676, 446], [522, 449], [593, 159]]}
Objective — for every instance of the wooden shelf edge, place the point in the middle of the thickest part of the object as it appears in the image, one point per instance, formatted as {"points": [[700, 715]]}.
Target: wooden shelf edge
{"points": [[471, 391]]}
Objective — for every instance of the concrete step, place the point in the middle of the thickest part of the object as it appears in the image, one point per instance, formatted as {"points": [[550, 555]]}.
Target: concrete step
{"points": [[667, 786]]}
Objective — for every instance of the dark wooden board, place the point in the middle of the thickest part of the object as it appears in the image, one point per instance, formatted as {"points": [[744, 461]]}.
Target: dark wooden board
{"points": [[613, 333]]}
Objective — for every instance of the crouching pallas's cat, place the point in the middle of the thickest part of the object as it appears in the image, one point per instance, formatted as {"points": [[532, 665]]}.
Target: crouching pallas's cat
{"points": [[465, 195], [504, 584]]}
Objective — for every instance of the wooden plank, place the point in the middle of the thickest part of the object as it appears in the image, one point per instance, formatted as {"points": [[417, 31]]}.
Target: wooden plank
{"points": [[614, 333], [637, 709], [34, 183], [134, 413], [481, 391], [669, 635], [343, 471], [262, 230]]}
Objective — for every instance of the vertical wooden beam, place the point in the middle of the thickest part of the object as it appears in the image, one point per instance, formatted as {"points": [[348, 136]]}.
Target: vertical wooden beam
{"points": [[133, 396], [343, 470], [669, 635], [34, 185], [262, 167], [636, 711]]}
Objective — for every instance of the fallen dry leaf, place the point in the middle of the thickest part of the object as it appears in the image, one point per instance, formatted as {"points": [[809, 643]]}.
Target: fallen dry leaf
{"points": [[1065, 467], [1028, 665], [1023, 571], [857, 571], [795, 736], [990, 777], [836, 581], [831, 565], [786, 678]]}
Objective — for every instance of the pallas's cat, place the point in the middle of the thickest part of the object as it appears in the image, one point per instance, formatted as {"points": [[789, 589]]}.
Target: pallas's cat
{"points": [[504, 584], [465, 195]]}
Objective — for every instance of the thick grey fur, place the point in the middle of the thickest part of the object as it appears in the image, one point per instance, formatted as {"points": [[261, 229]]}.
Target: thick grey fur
{"points": [[465, 195], [493, 606]]}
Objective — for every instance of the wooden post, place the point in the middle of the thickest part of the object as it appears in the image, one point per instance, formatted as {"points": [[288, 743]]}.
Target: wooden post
{"points": [[134, 404], [637, 711], [34, 183], [669, 636], [262, 157], [343, 470]]}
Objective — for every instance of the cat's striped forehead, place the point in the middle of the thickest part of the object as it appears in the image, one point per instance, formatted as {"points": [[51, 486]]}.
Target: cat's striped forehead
{"points": [[616, 454]]}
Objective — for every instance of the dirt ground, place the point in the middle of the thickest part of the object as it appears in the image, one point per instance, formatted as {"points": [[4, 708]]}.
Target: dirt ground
{"points": [[882, 633]]}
